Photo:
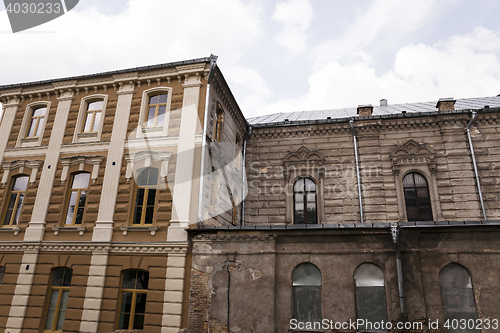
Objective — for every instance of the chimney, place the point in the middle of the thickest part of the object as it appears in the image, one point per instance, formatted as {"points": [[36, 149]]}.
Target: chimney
{"points": [[383, 102], [446, 104], [365, 110]]}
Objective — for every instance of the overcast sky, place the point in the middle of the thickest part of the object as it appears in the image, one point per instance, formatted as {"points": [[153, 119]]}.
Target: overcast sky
{"points": [[277, 56]]}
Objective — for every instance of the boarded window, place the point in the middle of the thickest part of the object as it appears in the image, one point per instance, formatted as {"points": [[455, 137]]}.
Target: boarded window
{"points": [[304, 201], [458, 297], [370, 294], [307, 293], [417, 200]]}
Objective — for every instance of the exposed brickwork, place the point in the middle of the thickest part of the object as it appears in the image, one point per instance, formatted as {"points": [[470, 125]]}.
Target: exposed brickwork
{"points": [[198, 302]]}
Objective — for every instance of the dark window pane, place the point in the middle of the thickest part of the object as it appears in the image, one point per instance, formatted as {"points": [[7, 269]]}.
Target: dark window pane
{"points": [[307, 303], [151, 197], [2, 274], [124, 320], [129, 278], [62, 310], [163, 98], [140, 303], [140, 197], [68, 274], [138, 321], [137, 215], [49, 321], [71, 207], [154, 99], [142, 280], [57, 279], [18, 209], [148, 219], [8, 216]]}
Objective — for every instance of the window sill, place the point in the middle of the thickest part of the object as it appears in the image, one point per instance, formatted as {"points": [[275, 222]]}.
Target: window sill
{"points": [[125, 230], [15, 230], [80, 230], [30, 142], [88, 137], [153, 131]]}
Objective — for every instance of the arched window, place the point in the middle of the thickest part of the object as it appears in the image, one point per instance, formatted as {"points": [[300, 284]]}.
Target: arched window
{"points": [[58, 299], [306, 279], [157, 108], [15, 201], [304, 201], [218, 123], [418, 203], [77, 198], [133, 295], [370, 293], [145, 196], [92, 117], [36, 122], [458, 296]]}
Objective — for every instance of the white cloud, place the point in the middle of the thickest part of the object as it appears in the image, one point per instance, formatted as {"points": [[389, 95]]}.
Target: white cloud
{"points": [[148, 32], [296, 16], [461, 66]]}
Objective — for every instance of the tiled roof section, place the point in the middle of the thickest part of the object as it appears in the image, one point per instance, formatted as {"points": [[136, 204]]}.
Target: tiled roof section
{"points": [[461, 104]]}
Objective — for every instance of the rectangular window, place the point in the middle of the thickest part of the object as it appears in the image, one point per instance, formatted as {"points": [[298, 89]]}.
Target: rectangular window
{"points": [[145, 196], [157, 108], [15, 201], [92, 117], [37, 120], [77, 199], [133, 294], [58, 300]]}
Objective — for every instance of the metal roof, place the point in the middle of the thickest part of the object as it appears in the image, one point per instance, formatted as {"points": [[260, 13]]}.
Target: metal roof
{"points": [[461, 104]]}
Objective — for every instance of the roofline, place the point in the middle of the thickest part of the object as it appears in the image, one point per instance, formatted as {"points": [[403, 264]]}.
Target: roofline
{"points": [[338, 226], [373, 117], [128, 70]]}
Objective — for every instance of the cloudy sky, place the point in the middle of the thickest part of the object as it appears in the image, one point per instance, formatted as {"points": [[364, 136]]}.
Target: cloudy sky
{"points": [[278, 56]]}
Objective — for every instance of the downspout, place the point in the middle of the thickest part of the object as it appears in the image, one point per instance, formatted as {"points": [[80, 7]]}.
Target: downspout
{"points": [[242, 218], [474, 116], [213, 63], [399, 267], [351, 123]]}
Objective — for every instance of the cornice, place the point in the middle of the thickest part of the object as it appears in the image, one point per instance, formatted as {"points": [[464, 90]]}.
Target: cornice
{"points": [[115, 247], [233, 238]]}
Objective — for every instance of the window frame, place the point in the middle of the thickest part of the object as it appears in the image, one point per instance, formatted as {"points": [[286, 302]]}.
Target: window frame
{"points": [[145, 131], [293, 294], [431, 184], [7, 200], [219, 122], [61, 290], [134, 196], [80, 135], [68, 197], [134, 297], [22, 139], [305, 200], [419, 210], [356, 290]]}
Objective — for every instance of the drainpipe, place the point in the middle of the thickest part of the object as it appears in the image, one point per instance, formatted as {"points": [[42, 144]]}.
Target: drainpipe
{"points": [[242, 219], [474, 116], [213, 63], [351, 123], [399, 268]]}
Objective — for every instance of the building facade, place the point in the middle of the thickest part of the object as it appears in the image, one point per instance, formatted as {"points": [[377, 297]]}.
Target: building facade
{"points": [[377, 214], [100, 179]]}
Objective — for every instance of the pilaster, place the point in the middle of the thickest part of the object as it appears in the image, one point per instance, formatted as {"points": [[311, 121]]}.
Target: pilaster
{"points": [[174, 289], [9, 114], [183, 193], [36, 227]]}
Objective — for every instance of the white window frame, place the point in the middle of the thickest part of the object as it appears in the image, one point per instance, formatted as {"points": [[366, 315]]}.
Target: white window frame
{"points": [[143, 131], [22, 141], [80, 136]]}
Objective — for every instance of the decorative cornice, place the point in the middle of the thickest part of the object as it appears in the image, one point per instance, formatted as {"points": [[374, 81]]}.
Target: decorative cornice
{"points": [[81, 160], [412, 153], [147, 156], [114, 247], [233, 237]]}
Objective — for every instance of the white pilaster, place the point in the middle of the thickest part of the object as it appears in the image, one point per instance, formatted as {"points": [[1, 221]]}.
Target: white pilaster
{"points": [[36, 227], [22, 292], [185, 161], [103, 229], [9, 114]]}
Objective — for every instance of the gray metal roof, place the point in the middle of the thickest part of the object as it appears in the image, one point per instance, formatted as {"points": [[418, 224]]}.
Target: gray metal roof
{"points": [[461, 104]]}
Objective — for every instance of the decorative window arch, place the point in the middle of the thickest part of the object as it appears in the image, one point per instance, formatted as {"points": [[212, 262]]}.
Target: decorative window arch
{"points": [[306, 280], [21, 165], [457, 293], [133, 296], [305, 210], [58, 297], [33, 125], [417, 199], [370, 293], [413, 157], [81, 160], [90, 118], [13, 203], [303, 162], [155, 112]]}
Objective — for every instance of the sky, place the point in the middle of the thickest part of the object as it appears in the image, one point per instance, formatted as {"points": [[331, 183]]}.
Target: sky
{"points": [[277, 56]]}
